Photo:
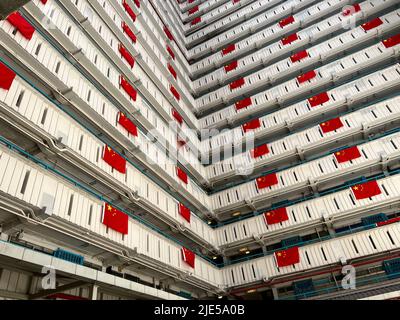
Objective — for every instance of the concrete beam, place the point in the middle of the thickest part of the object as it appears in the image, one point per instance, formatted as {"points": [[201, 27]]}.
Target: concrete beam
{"points": [[10, 224], [63, 288], [13, 295], [9, 6]]}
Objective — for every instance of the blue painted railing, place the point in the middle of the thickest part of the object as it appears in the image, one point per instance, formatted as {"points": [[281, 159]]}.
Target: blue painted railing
{"points": [[336, 287]]}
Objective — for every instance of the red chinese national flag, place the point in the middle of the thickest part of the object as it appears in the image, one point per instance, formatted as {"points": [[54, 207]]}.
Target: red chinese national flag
{"points": [[168, 34], [180, 142], [128, 88], [237, 84], [126, 55], [243, 103], [318, 99], [193, 10], [286, 21], [306, 76], [230, 67], [251, 125], [177, 116], [172, 70], [289, 39], [115, 219], [267, 181], [195, 21], [347, 154], [299, 56], [129, 10], [392, 41], [7, 77], [171, 52], [127, 124], [182, 175], [129, 32], [276, 216], [260, 151], [228, 49], [351, 10], [372, 24], [184, 212], [331, 125], [114, 159], [188, 257], [287, 257], [175, 93], [366, 190], [21, 25]]}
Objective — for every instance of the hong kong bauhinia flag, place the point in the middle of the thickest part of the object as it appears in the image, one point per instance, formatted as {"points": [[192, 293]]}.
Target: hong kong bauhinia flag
{"points": [[287, 257], [115, 219]]}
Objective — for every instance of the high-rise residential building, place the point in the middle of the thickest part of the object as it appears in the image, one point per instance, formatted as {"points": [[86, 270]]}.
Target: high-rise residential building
{"points": [[200, 149]]}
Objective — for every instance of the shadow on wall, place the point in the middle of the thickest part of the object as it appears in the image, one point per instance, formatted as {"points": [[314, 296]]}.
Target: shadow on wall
{"points": [[9, 6]]}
